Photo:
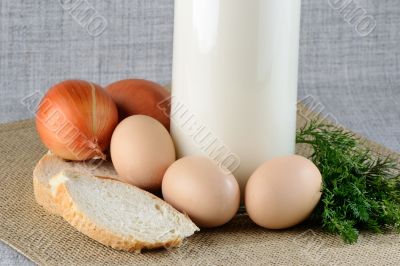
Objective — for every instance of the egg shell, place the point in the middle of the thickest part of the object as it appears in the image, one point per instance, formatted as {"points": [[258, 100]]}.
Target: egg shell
{"points": [[283, 191], [141, 151], [196, 186]]}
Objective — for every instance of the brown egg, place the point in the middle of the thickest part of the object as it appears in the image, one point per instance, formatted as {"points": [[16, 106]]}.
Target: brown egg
{"points": [[141, 97], [141, 151], [197, 186], [282, 192]]}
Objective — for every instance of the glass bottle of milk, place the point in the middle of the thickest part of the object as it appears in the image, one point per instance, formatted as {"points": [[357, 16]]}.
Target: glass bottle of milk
{"points": [[234, 85]]}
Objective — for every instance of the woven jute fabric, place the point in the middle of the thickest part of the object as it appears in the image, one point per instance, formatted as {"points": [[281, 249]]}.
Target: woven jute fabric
{"points": [[48, 240]]}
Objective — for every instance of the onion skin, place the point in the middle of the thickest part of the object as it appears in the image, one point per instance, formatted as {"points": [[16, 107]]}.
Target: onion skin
{"points": [[75, 120], [141, 97]]}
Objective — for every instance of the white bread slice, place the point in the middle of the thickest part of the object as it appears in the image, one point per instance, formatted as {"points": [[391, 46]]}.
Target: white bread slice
{"points": [[118, 215], [50, 165]]}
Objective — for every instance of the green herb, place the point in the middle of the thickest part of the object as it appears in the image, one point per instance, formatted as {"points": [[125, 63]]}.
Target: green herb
{"points": [[361, 191]]}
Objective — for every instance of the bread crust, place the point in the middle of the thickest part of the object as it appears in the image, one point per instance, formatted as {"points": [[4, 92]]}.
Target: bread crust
{"points": [[83, 224], [61, 203], [43, 197], [41, 186], [41, 190]]}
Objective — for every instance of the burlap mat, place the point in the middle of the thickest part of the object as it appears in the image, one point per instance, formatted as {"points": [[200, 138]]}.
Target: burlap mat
{"points": [[49, 240]]}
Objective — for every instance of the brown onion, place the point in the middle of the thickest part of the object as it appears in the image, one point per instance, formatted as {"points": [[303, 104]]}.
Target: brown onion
{"points": [[75, 120], [141, 97]]}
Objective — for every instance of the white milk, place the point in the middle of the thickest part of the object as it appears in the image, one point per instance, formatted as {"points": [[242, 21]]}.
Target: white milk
{"points": [[234, 84]]}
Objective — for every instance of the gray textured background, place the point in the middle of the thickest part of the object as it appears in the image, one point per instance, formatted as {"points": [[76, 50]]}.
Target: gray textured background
{"points": [[355, 79]]}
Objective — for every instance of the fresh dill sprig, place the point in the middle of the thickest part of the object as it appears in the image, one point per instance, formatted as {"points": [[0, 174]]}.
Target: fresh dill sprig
{"points": [[361, 191]]}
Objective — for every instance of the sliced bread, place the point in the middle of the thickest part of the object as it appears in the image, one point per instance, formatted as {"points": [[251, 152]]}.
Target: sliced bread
{"points": [[118, 215], [50, 165]]}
